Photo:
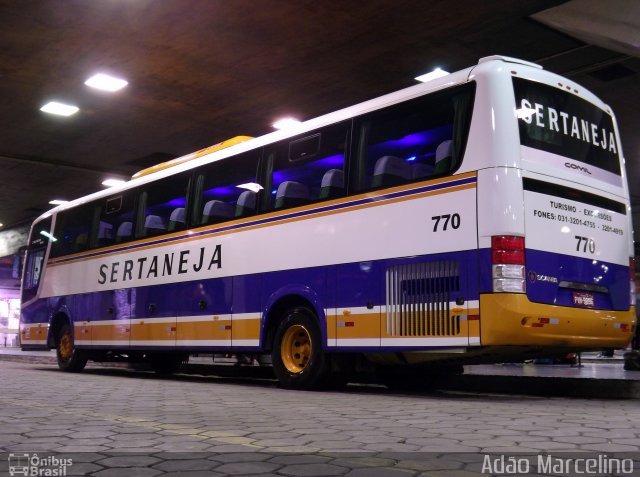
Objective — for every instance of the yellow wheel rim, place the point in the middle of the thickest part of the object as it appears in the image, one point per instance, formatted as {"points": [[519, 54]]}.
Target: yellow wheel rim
{"points": [[296, 348], [66, 346]]}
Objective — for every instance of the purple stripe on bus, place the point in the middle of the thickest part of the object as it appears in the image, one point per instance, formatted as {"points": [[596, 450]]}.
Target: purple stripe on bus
{"points": [[125, 248]]}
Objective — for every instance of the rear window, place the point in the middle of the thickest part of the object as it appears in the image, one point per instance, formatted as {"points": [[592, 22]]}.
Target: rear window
{"points": [[562, 123]]}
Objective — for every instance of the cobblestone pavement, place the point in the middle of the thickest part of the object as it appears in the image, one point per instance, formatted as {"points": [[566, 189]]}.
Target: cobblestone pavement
{"points": [[114, 422]]}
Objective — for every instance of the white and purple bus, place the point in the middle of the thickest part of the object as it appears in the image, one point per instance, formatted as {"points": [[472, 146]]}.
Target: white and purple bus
{"points": [[483, 216]]}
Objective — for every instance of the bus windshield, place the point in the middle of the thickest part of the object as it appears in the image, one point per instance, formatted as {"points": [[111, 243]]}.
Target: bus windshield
{"points": [[559, 122]]}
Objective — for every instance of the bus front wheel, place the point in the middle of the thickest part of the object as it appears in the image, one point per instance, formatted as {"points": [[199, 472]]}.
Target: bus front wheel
{"points": [[70, 358], [298, 359]]}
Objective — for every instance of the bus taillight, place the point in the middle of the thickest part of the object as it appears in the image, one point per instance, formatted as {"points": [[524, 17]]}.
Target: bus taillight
{"points": [[632, 280], [507, 260]]}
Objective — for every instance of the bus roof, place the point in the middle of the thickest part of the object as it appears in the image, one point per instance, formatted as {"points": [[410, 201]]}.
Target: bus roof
{"points": [[241, 144]]}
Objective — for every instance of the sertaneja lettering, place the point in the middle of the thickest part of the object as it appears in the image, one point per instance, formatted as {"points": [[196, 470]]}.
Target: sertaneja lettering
{"points": [[561, 122], [162, 265]]}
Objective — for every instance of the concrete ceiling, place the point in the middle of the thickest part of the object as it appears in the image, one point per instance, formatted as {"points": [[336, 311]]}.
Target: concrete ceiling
{"points": [[201, 71]]}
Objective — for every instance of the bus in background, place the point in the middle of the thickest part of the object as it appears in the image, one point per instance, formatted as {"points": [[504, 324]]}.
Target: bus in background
{"points": [[479, 217]]}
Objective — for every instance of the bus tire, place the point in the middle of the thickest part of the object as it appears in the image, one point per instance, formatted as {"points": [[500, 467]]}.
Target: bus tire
{"points": [[166, 363], [70, 358], [297, 356]]}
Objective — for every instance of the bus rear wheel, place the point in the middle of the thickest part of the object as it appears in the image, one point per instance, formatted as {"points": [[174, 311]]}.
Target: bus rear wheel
{"points": [[297, 356], [70, 358]]}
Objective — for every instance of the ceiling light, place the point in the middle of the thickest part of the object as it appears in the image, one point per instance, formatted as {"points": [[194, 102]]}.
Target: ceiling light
{"points": [[60, 109], [437, 73], [252, 186], [106, 82], [113, 182], [58, 202], [285, 123], [48, 235], [1, 224]]}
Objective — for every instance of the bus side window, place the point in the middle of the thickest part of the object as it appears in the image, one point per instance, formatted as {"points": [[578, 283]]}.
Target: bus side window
{"points": [[227, 189], [307, 169], [116, 219], [412, 141], [73, 230], [163, 206]]}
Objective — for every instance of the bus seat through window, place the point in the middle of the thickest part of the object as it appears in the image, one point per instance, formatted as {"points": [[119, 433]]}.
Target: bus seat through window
{"points": [[246, 204], [105, 234], [153, 225], [391, 171], [419, 170], [216, 211], [177, 219], [332, 184], [81, 243], [443, 157], [125, 231], [291, 194]]}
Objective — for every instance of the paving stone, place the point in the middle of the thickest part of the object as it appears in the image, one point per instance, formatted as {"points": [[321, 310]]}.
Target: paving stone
{"points": [[299, 459], [48, 433], [129, 461], [185, 465], [128, 472], [129, 444], [432, 462], [320, 470], [83, 468], [378, 472], [91, 434], [450, 473], [243, 457], [186, 446], [374, 432], [194, 473], [245, 468], [610, 447], [72, 448]]}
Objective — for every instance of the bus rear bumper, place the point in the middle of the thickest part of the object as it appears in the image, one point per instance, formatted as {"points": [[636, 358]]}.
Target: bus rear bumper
{"points": [[511, 319]]}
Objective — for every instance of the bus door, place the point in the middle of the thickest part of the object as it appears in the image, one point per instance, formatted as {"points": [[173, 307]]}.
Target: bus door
{"points": [[204, 313], [154, 315], [110, 319], [34, 312]]}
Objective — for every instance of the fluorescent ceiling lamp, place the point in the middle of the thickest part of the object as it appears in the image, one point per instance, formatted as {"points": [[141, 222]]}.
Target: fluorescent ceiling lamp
{"points": [[106, 82], [437, 73], [113, 182], [60, 109], [48, 235], [58, 202], [525, 113], [252, 186], [285, 123]]}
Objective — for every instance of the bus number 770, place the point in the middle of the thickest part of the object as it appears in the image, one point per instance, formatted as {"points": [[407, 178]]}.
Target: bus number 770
{"points": [[586, 243], [453, 219]]}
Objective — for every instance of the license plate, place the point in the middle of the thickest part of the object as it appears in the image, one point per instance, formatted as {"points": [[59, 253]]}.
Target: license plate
{"points": [[583, 299]]}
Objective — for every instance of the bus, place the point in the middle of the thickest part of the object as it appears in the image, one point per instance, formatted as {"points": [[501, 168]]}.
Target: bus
{"points": [[480, 217]]}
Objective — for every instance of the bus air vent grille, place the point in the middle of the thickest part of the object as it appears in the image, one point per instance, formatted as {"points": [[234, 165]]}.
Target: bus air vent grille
{"points": [[418, 296]]}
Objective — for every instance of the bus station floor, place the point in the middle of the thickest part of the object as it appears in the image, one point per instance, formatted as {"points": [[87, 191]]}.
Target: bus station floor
{"points": [[115, 421], [594, 376]]}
